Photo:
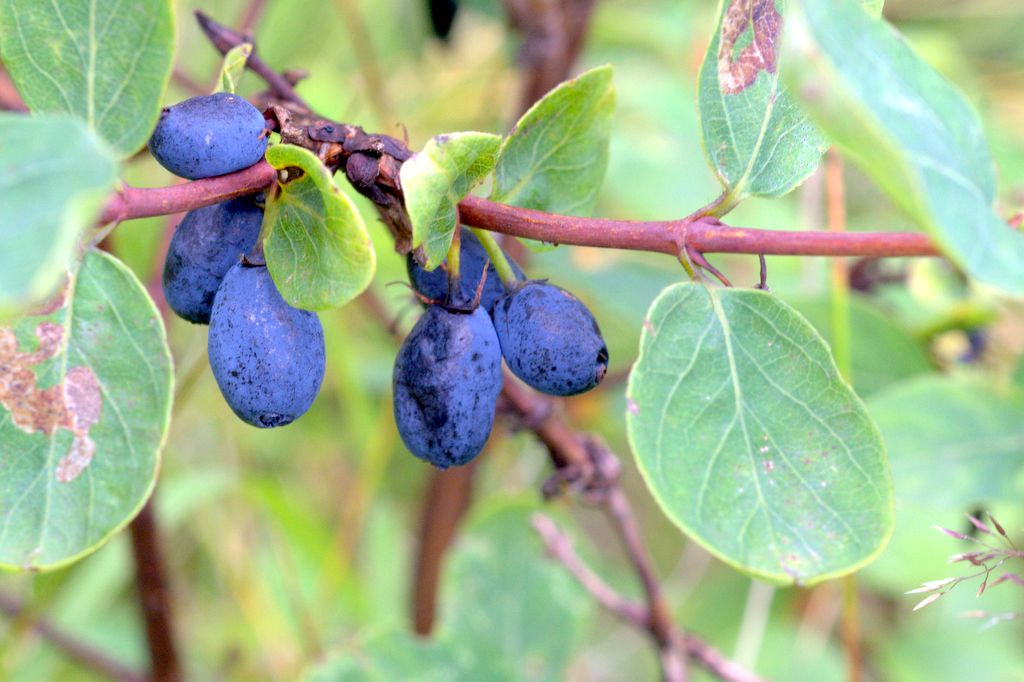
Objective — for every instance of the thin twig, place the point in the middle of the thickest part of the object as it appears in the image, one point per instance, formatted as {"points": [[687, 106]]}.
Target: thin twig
{"points": [[85, 653], [559, 547], [154, 596], [224, 38]]}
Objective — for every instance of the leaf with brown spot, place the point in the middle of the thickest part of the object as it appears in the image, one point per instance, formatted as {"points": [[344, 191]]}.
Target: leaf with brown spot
{"points": [[758, 142], [85, 396], [760, 24]]}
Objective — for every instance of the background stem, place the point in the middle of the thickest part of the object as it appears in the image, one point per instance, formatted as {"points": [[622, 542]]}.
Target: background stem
{"points": [[154, 596], [842, 343]]}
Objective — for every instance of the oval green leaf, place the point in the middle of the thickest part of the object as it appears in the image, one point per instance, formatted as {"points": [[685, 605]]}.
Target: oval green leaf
{"points": [[751, 441], [104, 61], [316, 245], [436, 179], [917, 136], [85, 402], [556, 155], [54, 177]]}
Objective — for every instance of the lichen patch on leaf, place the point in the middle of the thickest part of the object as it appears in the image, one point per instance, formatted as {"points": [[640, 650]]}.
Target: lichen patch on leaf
{"points": [[750, 30], [73, 404]]}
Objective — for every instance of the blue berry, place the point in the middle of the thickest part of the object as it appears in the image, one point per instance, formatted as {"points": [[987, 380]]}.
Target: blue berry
{"points": [[268, 358], [446, 383], [472, 256], [206, 244], [209, 135], [550, 339]]}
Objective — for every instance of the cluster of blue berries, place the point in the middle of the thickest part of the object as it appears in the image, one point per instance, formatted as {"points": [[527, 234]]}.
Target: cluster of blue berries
{"points": [[447, 374], [268, 357]]}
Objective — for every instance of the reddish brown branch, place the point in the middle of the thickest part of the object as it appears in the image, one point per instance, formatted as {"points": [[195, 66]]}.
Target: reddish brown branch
{"points": [[154, 596], [80, 651], [705, 235], [128, 202]]}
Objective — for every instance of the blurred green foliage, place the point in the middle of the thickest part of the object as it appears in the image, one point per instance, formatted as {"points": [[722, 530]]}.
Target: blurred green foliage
{"points": [[287, 544]]}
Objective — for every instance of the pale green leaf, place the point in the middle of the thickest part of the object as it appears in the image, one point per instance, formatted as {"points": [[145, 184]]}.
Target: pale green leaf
{"points": [[500, 581], [556, 155], [82, 427], [908, 128], [751, 441], [316, 245], [956, 444], [105, 61], [436, 179], [953, 441], [388, 657], [510, 614], [883, 353], [233, 67], [54, 177]]}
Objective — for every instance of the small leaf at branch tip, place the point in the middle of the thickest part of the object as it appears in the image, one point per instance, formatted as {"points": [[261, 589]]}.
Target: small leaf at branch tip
{"points": [[927, 600], [233, 67]]}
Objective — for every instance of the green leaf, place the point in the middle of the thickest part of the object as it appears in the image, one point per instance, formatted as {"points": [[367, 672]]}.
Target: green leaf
{"points": [[556, 155], [54, 177], [509, 615], [500, 581], [233, 67], [956, 444], [758, 142], [953, 441], [391, 656], [317, 247], [436, 179], [106, 62], [751, 441], [883, 352], [84, 409], [917, 136]]}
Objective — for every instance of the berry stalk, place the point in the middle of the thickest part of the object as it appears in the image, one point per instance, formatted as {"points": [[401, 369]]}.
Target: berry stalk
{"points": [[454, 266], [497, 256]]}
